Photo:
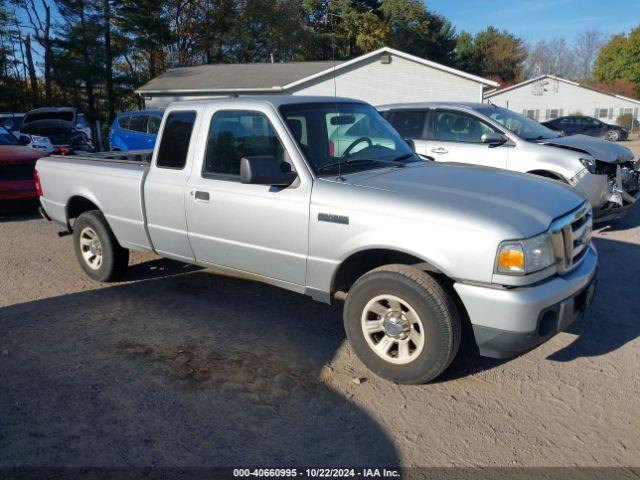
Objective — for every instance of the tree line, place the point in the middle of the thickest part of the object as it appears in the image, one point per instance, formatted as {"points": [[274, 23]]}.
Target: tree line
{"points": [[94, 53]]}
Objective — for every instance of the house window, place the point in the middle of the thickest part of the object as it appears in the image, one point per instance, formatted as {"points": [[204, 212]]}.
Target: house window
{"points": [[554, 113], [603, 113], [532, 114]]}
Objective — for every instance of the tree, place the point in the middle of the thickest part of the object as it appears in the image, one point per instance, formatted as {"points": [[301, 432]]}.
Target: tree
{"points": [[586, 49], [146, 24], [416, 30], [618, 59], [491, 53]]}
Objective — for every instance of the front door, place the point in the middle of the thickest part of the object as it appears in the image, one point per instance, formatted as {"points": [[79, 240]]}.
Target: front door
{"points": [[455, 136], [259, 229]]}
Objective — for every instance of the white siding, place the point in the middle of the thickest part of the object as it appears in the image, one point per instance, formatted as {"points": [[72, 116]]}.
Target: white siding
{"points": [[560, 95], [401, 80]]}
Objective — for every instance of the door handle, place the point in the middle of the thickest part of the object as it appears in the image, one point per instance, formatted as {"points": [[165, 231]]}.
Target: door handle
{"points": [[201, 196], [439, 150]]}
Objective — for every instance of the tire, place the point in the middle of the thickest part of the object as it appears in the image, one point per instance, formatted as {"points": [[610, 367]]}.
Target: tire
{"points": [[391, 297], [97, 250], [612, 135]]}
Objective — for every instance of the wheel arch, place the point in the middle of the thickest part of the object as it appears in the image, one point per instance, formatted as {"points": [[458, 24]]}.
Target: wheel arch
{"points": [[78, 204], [360, 262]]}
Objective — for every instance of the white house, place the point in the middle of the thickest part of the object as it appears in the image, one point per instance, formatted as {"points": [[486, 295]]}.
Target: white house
{"points": [[383, 76], [546, 97]]}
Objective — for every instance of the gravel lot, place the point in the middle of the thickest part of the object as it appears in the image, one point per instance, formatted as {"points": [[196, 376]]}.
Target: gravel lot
{"points": [[179, 366]]}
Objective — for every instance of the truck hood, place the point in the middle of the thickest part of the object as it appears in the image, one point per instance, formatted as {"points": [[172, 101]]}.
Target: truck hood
{"points": [[526, 202], [599, 149]]}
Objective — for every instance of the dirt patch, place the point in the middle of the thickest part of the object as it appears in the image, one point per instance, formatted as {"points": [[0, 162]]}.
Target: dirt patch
{"points": [[265, 379]]}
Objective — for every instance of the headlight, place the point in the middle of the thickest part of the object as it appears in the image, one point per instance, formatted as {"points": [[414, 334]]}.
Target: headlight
{"points": [[589, 164], [520, 257]]}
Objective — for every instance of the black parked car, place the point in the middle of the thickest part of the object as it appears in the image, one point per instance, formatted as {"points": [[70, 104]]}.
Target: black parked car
{"points": [[574, 124], [59, 125]]}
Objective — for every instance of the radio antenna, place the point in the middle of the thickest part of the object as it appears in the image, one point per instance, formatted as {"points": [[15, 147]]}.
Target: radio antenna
{"points": [[335, 85]]}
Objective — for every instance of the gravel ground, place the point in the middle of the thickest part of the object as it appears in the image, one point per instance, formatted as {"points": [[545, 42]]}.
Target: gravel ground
{"points": [[179, 366]]}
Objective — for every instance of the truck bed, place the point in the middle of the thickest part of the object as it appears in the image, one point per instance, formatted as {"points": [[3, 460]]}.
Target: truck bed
{"points": [[113, 181]]}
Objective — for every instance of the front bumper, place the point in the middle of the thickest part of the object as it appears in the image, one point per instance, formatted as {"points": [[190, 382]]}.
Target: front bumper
{"points": [[509, 321]]}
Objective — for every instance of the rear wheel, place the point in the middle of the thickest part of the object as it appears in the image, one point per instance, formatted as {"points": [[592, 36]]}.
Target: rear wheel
{"points": [[402, 324], [97, 250]]}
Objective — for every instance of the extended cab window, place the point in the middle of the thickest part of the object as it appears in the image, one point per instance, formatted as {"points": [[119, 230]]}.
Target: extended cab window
{"points": [[450, 126], [175, 140], [236, 134]]}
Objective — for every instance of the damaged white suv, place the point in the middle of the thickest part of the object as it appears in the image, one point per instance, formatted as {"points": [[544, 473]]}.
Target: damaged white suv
{"points": [[483, 134]]}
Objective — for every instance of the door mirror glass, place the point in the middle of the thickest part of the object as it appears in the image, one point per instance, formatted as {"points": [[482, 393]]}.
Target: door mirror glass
{"points": [[24, 140], [266, 170], [493, 138]]}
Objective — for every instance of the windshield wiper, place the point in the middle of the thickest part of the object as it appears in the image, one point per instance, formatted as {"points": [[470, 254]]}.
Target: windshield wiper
{"points": [[352, 161], [404, 157]]}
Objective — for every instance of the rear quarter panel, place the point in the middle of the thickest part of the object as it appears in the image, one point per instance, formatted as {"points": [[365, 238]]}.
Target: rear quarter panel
{"points": [[114, 187]]}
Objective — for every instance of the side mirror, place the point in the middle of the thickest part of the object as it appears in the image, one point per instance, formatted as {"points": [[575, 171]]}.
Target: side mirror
{"points": [[493, 138], [266, 170], [24, 139], [411, 143]]}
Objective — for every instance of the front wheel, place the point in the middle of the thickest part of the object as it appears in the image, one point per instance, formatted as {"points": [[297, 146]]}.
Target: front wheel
{"points": [[97, 250], [402, 324], [612, 135]]}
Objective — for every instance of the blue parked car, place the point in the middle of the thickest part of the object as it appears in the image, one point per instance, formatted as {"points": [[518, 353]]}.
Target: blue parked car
{"points": [[135, 130]]}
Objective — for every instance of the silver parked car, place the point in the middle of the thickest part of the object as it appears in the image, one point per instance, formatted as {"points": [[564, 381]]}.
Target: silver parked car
{"points": [[252, 186], [482, 134]]}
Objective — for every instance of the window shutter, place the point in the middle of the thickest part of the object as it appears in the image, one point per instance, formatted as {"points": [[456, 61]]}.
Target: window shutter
{"points": [[524, 112], [596, 114], [610, 113], [560, 112], [546, 114], [537, 115], [621, 111]]}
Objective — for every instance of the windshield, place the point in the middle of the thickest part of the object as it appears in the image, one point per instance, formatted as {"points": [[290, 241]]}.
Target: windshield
{"points": [[6, 137], [351, 136], [522, 126]]}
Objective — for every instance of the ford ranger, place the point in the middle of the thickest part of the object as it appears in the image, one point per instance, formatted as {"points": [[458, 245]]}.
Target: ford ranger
{"points": [[255, 186]]}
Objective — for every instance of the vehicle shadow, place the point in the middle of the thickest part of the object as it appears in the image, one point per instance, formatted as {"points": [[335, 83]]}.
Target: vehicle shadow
{"points": [[613, 319], [189, 370], [157, 268]]}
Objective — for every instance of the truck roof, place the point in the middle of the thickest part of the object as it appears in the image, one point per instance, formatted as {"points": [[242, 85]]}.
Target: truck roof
{"points": [[275, 100]]}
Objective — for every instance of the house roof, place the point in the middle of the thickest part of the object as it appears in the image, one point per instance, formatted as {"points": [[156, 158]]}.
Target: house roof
{"points": [[268, 77], [560, 79]]}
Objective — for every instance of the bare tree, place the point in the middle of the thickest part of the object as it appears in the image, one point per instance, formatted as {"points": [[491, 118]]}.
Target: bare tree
{"points": [[42, 31], [586, 48], [552, 57]]}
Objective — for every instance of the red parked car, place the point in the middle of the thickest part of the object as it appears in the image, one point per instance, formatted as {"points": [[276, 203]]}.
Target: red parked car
{"points": [[17, 164]]}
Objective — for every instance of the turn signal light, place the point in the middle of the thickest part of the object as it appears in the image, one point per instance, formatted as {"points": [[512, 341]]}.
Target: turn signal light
{"points": [[511, 260]]}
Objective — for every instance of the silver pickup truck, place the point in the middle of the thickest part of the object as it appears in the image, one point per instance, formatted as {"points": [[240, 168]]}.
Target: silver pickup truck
{"points": [[254, 186]]}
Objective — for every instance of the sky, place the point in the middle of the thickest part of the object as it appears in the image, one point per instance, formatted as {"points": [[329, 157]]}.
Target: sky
{"points": [[541, 19]]}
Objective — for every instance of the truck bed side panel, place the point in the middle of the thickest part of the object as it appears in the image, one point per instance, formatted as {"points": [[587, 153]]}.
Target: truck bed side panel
{"points": [[114, 187]]}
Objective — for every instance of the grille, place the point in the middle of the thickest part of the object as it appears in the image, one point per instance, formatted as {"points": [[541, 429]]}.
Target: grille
{"points": [[571, 236]]}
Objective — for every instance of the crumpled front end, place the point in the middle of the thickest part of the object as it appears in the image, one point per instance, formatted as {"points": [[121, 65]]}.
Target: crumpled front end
{"points": [[623, 189]]}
